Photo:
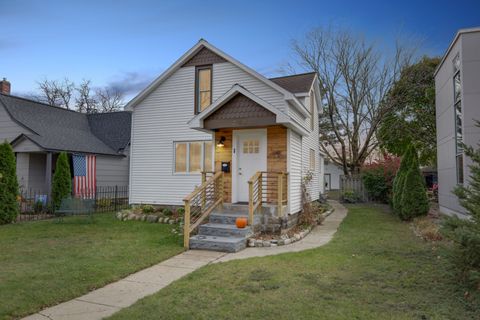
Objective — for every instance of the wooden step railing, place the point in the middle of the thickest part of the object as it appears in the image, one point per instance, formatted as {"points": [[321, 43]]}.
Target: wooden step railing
{"points": [[267, 187], [201, 202]]}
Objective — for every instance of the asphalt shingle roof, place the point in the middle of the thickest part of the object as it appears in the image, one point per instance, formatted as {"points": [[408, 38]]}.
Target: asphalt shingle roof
{"points": [[55, 128], [296, 83]]}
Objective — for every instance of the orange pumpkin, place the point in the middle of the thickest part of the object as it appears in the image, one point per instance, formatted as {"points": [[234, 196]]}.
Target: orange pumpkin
{"points": [[241, 222]]}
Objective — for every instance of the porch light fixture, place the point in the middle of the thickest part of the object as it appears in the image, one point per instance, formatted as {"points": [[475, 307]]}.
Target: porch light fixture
{"points": [[221, 142]]}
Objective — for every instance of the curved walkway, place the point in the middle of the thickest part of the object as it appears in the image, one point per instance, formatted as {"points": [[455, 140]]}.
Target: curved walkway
{"points": [[106, 301]]}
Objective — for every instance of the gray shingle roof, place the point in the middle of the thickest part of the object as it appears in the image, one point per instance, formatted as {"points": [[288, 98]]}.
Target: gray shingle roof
{"points": [[55, 128], [296, 83]]}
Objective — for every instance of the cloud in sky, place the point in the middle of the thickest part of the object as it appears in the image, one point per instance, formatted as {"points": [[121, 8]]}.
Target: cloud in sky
{"points": [[132, 82]]}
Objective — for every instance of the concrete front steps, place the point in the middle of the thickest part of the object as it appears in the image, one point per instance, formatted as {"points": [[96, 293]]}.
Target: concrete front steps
{"points": [[221, 233]]}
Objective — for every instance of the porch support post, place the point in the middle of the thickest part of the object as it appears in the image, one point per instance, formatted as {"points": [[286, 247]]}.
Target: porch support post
{"points": [[280, 194], [48, 174]]}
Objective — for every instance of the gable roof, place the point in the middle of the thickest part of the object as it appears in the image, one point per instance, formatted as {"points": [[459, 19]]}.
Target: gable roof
{"points": [[296, 83], [201, 44], [58, 129]]}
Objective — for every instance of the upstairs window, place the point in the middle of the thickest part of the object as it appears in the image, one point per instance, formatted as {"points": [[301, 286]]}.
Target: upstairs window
{"points": [[203, 88]]}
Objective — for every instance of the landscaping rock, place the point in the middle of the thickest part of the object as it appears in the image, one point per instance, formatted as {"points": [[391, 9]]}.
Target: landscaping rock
{"points": [[281, 242], [152, 218], [266, 243], [288, 241], [258, 243]]}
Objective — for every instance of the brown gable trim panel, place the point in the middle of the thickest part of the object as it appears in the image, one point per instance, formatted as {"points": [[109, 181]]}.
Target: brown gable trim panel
{"points": [[203, 57], [239, 112]]}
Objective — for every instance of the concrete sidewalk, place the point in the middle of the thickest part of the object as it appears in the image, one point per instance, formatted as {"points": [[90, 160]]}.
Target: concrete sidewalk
{"points": [[106, 301]]}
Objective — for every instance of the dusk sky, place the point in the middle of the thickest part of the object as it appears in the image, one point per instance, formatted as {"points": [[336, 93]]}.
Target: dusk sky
{"points": [[128, 43]]}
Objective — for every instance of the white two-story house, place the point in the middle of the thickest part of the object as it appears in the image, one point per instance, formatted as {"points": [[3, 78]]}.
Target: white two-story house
{"points": [[210, 113]]}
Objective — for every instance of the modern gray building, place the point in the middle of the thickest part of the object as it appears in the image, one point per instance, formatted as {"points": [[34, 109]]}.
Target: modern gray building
{"points": [[457, 87]]}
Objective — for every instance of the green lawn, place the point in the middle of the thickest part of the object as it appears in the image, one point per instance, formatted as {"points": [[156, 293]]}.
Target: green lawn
{"points": [[374, 268], [43, 263]]}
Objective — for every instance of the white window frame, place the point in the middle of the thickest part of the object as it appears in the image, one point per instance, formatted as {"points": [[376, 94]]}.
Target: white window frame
{"points": [[187, 164]]}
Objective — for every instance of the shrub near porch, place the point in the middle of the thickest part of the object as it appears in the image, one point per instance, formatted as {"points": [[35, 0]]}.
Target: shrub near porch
{"points": [[43, 263]]}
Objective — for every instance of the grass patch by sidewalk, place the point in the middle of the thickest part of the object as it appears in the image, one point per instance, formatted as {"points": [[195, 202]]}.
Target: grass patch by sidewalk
{"points": [[45, 262], [374, 268]]}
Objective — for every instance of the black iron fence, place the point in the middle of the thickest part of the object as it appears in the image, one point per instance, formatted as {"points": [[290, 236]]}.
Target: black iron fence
{"points": [[36, 205]]}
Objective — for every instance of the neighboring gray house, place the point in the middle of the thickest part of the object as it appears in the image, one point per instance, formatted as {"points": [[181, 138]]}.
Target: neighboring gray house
{"points": [[38, 132], [457, 87]]}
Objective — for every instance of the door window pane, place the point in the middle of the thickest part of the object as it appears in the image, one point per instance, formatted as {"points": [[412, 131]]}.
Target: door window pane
{"points": [[181, 157], [195, 164], [208, 156]]}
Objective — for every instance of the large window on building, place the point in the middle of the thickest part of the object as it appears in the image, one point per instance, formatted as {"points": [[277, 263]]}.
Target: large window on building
{"points": [[193, 156], [203, 88], [457, 100]]}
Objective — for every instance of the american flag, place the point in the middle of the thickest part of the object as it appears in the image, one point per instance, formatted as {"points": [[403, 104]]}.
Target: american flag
{"points": [[84, 175]]}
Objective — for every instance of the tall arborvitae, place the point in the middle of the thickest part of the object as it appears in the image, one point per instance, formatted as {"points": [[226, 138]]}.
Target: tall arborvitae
{"points": [[62, 183], [399, 181], [414, 199], [9, 208]]}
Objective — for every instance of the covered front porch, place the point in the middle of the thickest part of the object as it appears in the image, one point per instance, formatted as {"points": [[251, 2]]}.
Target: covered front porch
{"points": [[250, 177]]}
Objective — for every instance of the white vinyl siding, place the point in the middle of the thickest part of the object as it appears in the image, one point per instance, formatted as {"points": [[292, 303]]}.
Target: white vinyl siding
{"points": [[295, 171], [310, 146], [225, 75], [157, 122]]}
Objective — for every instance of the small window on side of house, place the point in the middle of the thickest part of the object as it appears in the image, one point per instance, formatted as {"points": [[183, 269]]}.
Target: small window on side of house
{"points": [[312, 160]]}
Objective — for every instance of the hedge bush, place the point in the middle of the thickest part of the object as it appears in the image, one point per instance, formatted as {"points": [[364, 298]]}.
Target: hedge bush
{"points": [[9, 208], [378, 178], [62, 182]]}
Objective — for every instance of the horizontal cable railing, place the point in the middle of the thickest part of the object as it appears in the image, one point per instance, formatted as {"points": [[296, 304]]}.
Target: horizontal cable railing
{"points": [[267, 187], [201, 202]]}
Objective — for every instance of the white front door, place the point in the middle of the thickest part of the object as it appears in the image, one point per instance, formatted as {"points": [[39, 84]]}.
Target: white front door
{"points": [[249, 156]]}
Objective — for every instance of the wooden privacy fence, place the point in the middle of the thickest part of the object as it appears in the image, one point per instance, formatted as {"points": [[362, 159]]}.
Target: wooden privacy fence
{"points": [[352, 187]]}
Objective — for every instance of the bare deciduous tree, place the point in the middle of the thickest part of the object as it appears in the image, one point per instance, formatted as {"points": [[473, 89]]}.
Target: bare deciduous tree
{"points": [[56, 93], [109, 100], [86, 98], [85, 102], [355, 79]]}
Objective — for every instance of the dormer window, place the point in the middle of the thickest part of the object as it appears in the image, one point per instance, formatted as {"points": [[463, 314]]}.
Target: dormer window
{"points": [[203, 88]]}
